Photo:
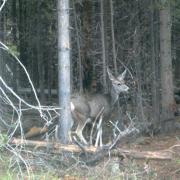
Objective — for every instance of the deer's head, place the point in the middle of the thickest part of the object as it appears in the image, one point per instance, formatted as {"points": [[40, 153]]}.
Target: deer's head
{"points": [[118, 85]]}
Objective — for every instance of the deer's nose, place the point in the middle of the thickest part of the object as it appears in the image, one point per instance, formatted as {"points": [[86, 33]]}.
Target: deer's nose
{"points": [[125, 88]]}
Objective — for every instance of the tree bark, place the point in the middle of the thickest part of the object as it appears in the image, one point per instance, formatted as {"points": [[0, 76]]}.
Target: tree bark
{"points": [[2, 64], [14, 35], [167, 96], [138, 68], [104, 49], [80, 72], [22, 31], [40, 58], [86, 44], [155, 77], [22, 27], [65, 120], [113, 37]]}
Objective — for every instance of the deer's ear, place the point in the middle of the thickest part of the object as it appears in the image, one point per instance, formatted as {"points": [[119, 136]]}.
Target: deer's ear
{"points": [[111, 77], [122, 76], [119, 79]]}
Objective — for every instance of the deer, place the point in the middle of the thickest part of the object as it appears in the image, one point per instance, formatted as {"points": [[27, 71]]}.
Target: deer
{"points": [[86, 107]]}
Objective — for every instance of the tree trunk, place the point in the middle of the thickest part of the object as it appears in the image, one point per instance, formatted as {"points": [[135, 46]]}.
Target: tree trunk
{"points": [[113, 37], [2, 64], [138, 68], [80, 72], [155, 77], [14, 35], [86, 45], [49, 71], [177, 67], [65, 120], [22, 23], [167, 96], [104, 49], [40, 58]]}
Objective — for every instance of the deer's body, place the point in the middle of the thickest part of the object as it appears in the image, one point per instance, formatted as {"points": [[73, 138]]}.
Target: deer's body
{"points": [[90, 104], [86, 107]]}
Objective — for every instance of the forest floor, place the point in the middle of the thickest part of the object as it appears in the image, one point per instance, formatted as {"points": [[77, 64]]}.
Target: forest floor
{"points": [[158, 169], [111, 168]]}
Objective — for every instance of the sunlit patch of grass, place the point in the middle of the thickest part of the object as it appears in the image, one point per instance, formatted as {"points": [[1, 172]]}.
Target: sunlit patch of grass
{"points": [[3, 140], [9, 171], [178, 161], [42, 176], [5, 172], [7, 175]]}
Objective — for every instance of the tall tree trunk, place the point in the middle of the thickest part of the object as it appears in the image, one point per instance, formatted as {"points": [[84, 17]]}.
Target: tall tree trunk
{"points": [[139, 93], [40, 58], [80, 72], [49, 71], [14, 35], [104, 57], [155, 77], [65, 120], [138, 67], [177, 68], [22, 31], [167, 96], [113, 37], [2, 64], [86, 30], [22, 39]]}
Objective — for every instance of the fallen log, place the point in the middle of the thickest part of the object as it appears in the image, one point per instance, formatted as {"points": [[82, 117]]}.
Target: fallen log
{"points": [[53, 145], [152, 155], [98, 153], [123, 153]]}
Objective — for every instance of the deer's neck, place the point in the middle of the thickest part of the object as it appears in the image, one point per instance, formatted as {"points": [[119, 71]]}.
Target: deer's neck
{"points": [[114, 97]]}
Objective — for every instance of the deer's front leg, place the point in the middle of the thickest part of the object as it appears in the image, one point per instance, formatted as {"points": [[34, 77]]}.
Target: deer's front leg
{"points": [[79, 130], [81, 120]]}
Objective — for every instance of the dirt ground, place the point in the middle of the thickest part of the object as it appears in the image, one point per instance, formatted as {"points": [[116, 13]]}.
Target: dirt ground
{"points": [[163, 169], [114, 168], [111, 168]]}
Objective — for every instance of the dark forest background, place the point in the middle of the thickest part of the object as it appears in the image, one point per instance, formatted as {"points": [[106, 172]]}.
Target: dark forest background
{"points": [[119, 34]]}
